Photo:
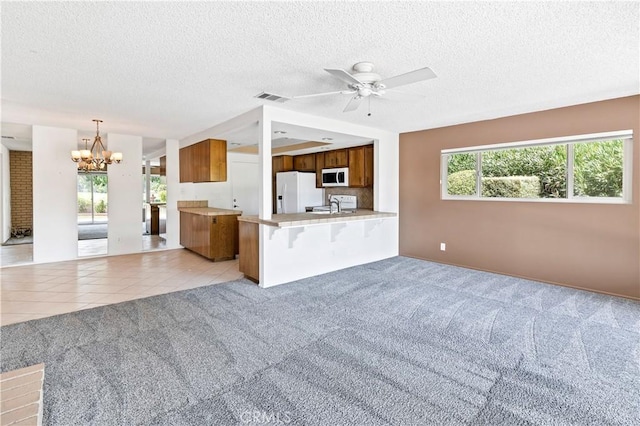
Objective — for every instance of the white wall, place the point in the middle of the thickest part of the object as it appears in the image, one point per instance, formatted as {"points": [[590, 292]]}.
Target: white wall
{"points": [[218, 194], [173, 193], [294, 253], [288, 254], [55, 223], [125, 195], [5, 195]]}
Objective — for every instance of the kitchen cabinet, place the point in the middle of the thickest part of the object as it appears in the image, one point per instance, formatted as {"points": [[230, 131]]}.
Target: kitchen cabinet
{"points": [[319, 167], [249, 260], [368, 166], [279, 163], [212, 236], [185, 165], [336, 158], [204, 161], [361, 166], [304, 163], [163, 165]]}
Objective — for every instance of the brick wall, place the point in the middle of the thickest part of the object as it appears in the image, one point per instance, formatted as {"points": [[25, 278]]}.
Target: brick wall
{"points": [[21, 176]]}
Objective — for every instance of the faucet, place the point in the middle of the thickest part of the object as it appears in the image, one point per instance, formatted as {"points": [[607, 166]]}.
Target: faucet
{"points": [[331, 203]]}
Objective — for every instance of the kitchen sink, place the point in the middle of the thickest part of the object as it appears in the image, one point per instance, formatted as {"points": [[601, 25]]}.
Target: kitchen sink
{"points": [[328, 212]]}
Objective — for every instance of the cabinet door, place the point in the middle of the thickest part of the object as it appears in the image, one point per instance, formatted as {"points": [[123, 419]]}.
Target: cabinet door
{"points": [[185, 229], [368, 166], [163, 165], [304, 163], [200, 234], [319, 166], [223, 237], [356, 166], [186, 174], [336, 158], [217, 164], [200, 162], [248, 263], [281, 163]]}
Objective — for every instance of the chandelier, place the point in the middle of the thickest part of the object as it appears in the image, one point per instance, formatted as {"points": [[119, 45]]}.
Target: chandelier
{"points": [[97, 158]]}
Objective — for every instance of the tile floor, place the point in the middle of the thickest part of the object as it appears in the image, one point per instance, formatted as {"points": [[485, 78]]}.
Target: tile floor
{"points": [[40, 290], [22, 254]]}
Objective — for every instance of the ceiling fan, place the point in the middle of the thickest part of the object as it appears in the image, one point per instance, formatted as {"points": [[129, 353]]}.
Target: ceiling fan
{"points": [[364, 83]]}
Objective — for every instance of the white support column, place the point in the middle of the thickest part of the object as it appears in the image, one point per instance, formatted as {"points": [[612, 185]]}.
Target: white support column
{"points": [[265, 190], [124, 200], [173, 193], [147, 181], [55, 195]]}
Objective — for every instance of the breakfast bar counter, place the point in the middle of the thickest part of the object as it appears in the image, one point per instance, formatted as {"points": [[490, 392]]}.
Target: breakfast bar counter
{"points": [[315, 218], [292, 246]]}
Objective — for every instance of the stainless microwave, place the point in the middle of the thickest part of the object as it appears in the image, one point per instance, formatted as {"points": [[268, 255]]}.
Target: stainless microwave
{"points": [[335, 177]]}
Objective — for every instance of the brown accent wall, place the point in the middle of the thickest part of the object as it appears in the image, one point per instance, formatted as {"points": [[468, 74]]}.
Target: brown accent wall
{"points": [[590, 246], [21, 183]]}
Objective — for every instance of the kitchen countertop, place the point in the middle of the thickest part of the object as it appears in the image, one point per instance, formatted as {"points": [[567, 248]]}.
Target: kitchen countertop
{"points": [[301, 219], [210, 211]]}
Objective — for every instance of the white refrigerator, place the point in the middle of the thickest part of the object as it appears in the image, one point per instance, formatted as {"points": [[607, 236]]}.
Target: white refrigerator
{"points": [[295, 191]]}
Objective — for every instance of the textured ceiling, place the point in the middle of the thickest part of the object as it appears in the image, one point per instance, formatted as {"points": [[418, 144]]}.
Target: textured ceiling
{"points": [[171, 69]]}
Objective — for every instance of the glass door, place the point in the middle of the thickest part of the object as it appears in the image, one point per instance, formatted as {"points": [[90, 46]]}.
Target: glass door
{"points": [[93, 209], [92, 198]]}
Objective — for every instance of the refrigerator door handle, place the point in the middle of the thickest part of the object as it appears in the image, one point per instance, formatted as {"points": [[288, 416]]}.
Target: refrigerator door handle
{"points": [[283, 192]]}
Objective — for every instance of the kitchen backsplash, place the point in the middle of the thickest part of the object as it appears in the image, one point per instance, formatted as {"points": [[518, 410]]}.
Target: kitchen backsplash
{"points": [[365, 195]]}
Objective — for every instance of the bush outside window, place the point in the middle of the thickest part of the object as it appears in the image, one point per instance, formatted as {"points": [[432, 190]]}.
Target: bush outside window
{"points": [[581, 168]]}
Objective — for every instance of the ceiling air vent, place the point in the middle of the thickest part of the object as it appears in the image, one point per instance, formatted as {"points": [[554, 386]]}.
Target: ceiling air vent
{"points": [[271, 97]]}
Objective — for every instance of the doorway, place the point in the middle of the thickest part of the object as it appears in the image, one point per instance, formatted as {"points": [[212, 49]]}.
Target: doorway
{"points": [[93, 219]]}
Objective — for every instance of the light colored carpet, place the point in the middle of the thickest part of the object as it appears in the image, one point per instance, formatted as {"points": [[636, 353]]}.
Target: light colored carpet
{"points": [[401, 342]]}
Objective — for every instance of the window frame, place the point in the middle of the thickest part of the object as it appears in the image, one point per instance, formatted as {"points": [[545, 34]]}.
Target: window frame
{"points": [[627, 167]]}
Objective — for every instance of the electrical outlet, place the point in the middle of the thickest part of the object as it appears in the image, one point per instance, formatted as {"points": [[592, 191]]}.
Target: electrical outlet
{"points": [[443, 246]]}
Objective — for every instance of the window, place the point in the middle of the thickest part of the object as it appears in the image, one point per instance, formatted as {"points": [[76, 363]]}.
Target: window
{"points": [[589, 168]]}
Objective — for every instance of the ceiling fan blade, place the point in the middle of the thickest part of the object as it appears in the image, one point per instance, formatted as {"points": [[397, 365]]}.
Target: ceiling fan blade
{"points": [[353, 104], [409, 78], [344, 76], [395, 95], [338, 92]]}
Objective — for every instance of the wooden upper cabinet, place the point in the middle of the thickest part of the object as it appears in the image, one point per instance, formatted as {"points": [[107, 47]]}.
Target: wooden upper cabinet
{"points": [[368, 166], [361, 166], [163, 165], [185, 165], [204, 161], [319, 166], [281, 163], [304, 163], [336, 158]]}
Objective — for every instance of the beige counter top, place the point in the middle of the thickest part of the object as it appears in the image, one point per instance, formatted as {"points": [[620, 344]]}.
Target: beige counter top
{"points": [[210, 211], [302, 219]]}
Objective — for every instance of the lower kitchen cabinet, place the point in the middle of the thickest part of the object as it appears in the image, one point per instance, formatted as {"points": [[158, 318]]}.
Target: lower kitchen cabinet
{"points": [[212, 236], [249, 260]]}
